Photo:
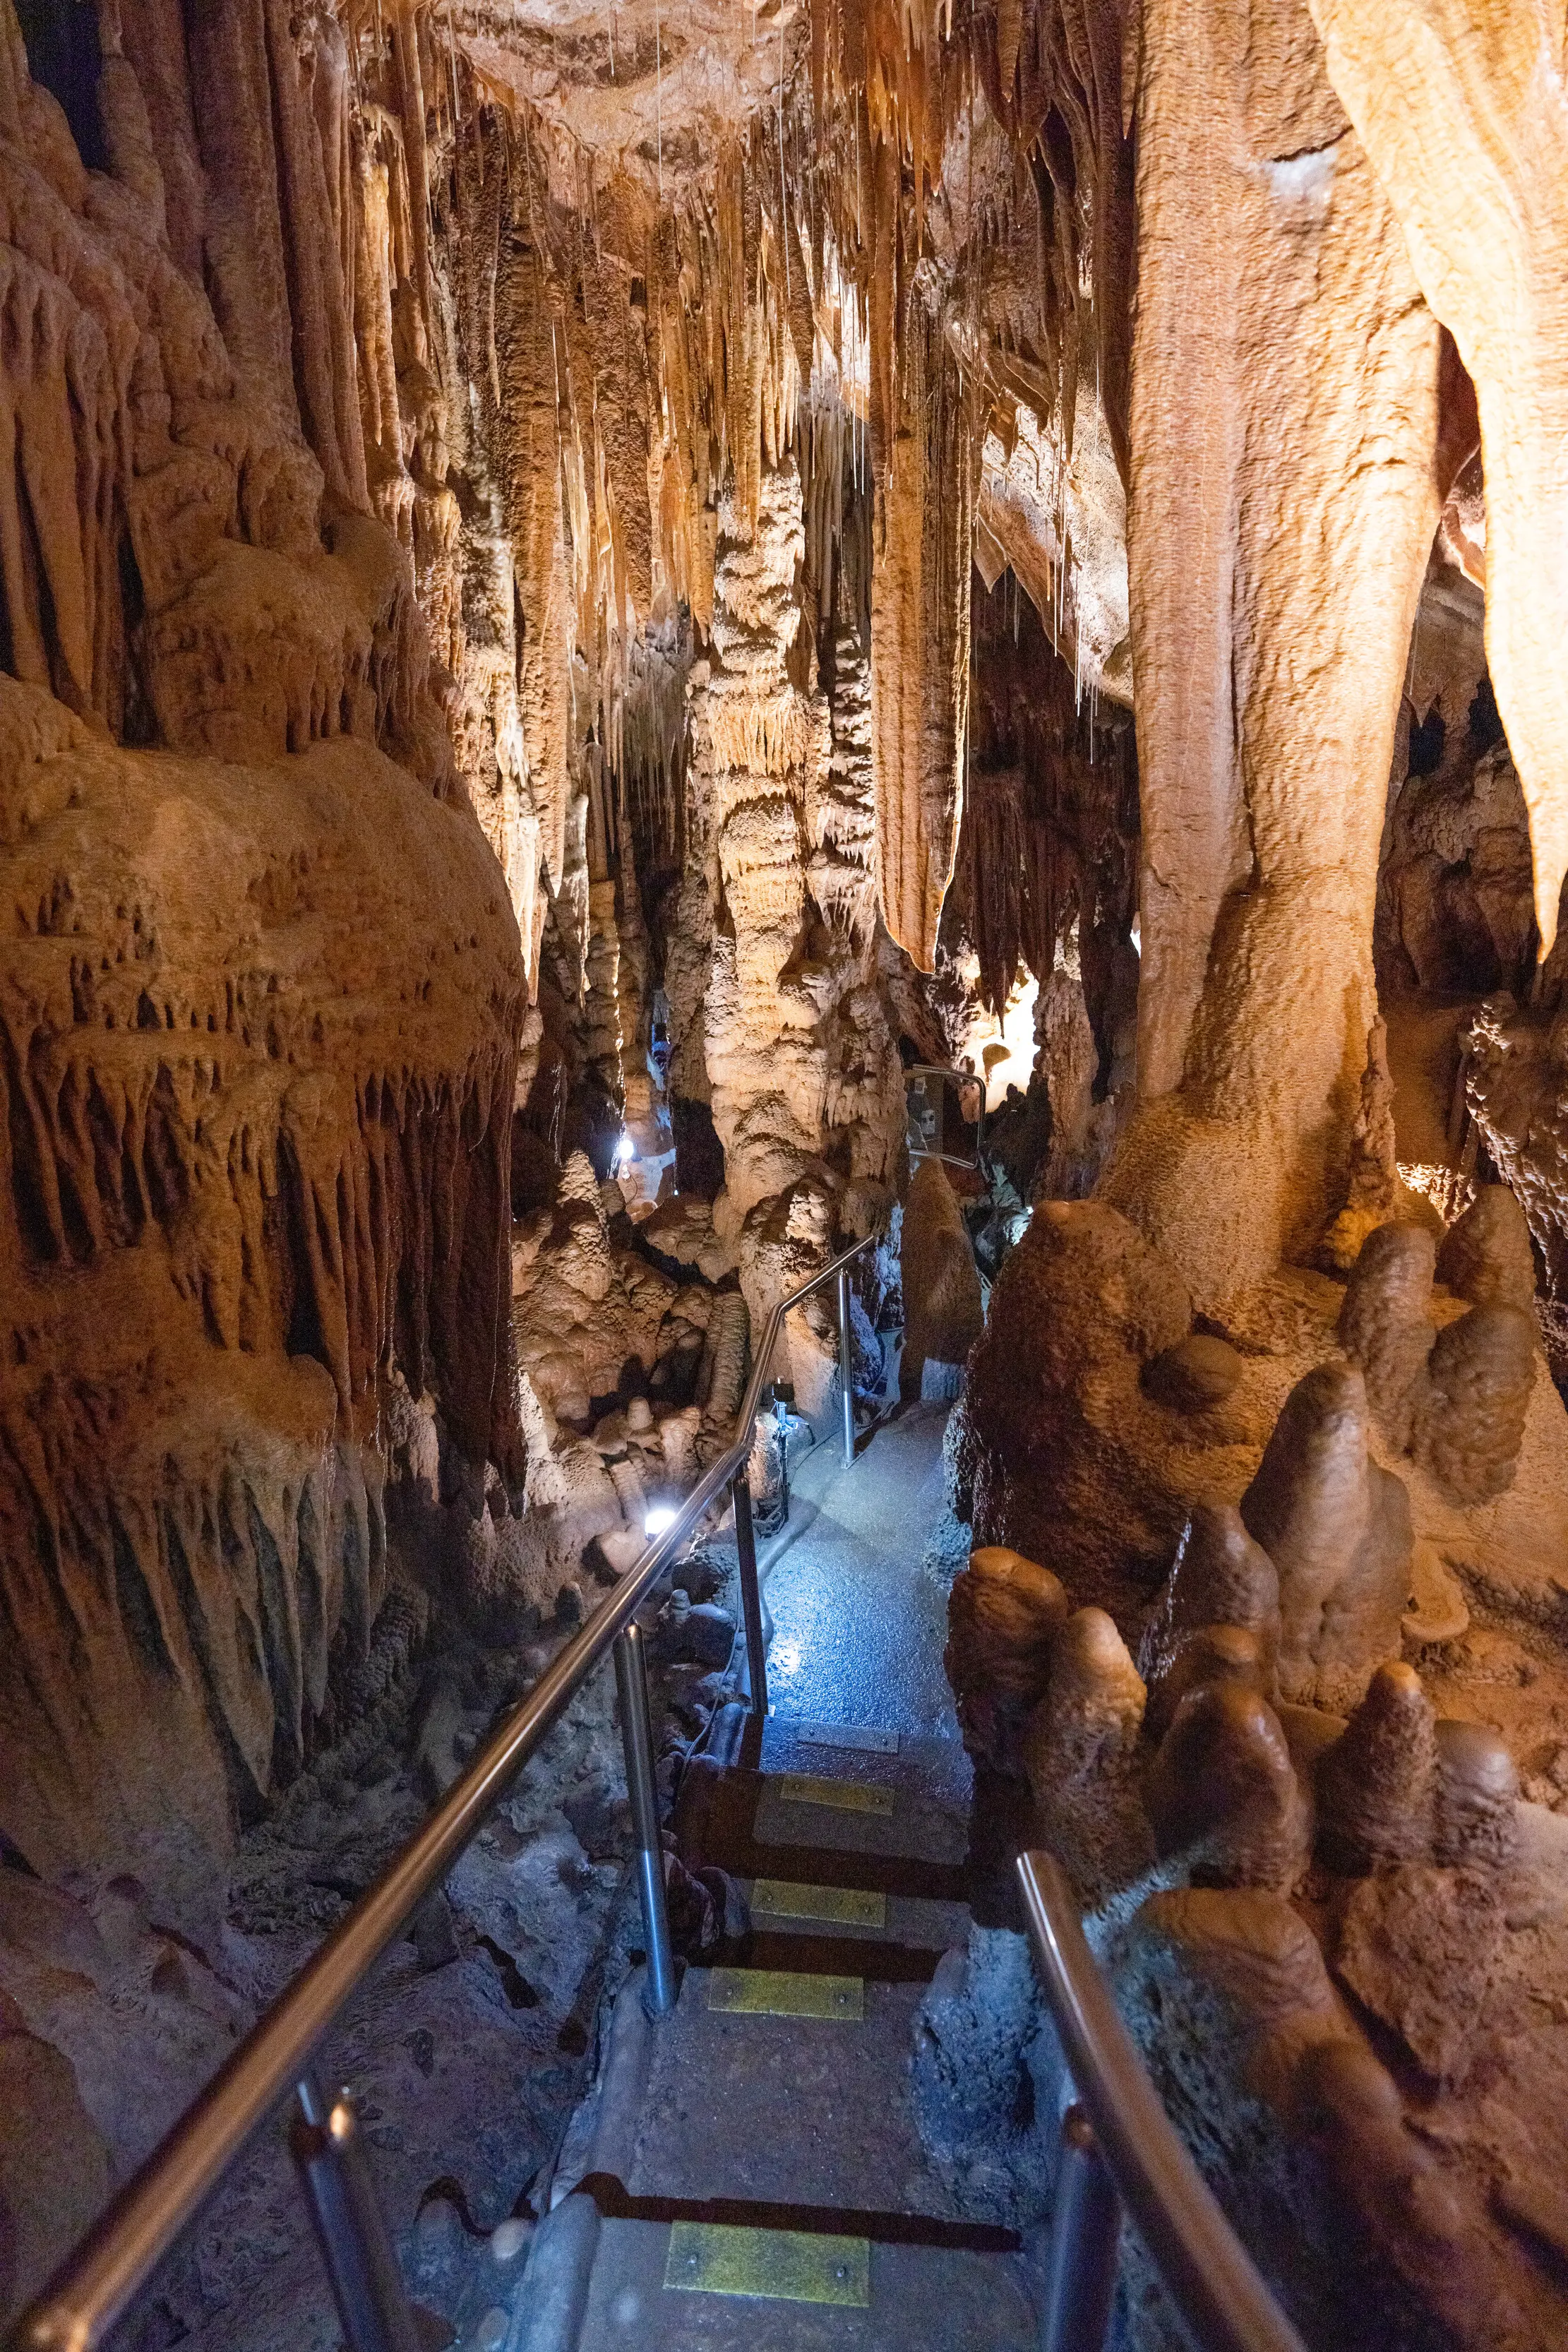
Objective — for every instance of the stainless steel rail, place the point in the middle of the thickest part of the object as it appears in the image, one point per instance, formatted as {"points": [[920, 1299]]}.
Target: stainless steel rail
{"points": [[98, 2282], [1208, 2271], [959, 1078]]}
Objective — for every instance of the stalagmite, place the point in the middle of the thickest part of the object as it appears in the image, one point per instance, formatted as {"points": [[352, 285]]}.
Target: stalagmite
{"points": [[1485, 1256], [1376, 1785], [1337, 1527], [1384, 1325], [1078, 1753], [1003, 1616], [1223, 1784]]}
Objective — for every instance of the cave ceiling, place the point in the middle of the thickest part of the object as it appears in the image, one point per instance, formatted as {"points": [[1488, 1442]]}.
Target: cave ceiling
{"points": [[646, 89]]}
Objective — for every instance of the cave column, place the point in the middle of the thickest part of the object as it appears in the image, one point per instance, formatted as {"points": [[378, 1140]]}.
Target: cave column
{"points": [[1283, 507], [1463, 110], [757, 724], [763, 1055]]}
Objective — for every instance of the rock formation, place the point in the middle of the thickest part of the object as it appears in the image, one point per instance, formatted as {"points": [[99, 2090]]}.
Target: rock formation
{"points": [[1045, 1434], [1337, 1529], [1454, 1398], [1003, 1615], [265, 991], [1265, 699], [941, 1288], [1310, 1758]]}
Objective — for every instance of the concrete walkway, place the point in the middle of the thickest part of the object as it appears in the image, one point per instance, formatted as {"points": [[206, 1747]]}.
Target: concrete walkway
{"points": [[756, 2176]]}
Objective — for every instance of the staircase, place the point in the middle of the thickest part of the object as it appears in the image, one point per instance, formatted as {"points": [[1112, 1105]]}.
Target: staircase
{"points": [[752, 2171]]}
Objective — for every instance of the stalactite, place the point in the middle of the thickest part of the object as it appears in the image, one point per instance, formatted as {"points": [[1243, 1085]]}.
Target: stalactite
{"points": [[534, 492], [262, 1013], [231, 87], [323, 369], [642, 526], [1049, 837], [243, 1175], [920, 629]]}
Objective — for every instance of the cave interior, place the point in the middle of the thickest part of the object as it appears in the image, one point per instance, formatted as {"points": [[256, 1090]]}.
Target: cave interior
{"points": [[641, 640]]}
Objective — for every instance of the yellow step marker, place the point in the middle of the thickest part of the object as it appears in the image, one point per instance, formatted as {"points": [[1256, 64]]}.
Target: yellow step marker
{"points": [[785, 2266], [780, 1992], [840, 1907], [844, 1796]]}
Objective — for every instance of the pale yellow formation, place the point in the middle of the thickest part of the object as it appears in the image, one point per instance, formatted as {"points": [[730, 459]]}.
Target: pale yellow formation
{"points": [[1463, 110]]}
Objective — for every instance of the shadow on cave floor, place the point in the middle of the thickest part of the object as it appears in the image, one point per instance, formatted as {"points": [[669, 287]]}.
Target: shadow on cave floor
{"points": [[751, 2170]]}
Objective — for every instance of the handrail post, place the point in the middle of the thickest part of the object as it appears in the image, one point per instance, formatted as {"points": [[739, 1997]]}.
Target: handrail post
{"points": [[846, 1367], [751, 1594], [1086, 2237], [330, 2155], [641, 1787]]}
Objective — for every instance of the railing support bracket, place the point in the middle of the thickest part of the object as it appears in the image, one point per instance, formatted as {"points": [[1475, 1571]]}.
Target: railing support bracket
{"points": [[750, 1595]]}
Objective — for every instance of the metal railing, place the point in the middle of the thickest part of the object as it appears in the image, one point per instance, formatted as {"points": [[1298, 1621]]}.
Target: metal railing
{"points": [[97, 2283], [959, 1078], [1119, 2147]]}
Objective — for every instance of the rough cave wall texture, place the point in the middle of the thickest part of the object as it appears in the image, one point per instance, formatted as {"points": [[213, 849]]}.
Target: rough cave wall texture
{"points": [[1264, 1470], [263, 990]]}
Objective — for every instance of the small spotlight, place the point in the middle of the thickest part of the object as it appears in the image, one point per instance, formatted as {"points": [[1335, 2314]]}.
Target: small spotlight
{"points": [[625, 1149], [661, 1516]]}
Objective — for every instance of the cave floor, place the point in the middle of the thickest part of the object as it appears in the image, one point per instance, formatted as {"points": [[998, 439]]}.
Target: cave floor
{"points": [[755, 2165]]}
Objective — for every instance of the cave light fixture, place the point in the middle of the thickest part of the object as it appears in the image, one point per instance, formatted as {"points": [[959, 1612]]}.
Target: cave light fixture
{"points": [[658, 1517]]}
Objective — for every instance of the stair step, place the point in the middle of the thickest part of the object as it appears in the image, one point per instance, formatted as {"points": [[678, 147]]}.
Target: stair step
{"points": [[863, 1738], [779, 2105], [735, 1818], [841, 1952], [781, 2153], [927, 2297]]}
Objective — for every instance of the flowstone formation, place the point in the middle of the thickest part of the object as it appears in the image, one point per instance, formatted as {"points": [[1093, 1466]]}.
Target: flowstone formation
{"points": [[235, 1056]]}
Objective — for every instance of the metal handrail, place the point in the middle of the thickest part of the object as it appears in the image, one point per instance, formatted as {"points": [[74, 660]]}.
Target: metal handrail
{"points": [[1210, 2275], [97, 2283], [959, 1078]]}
